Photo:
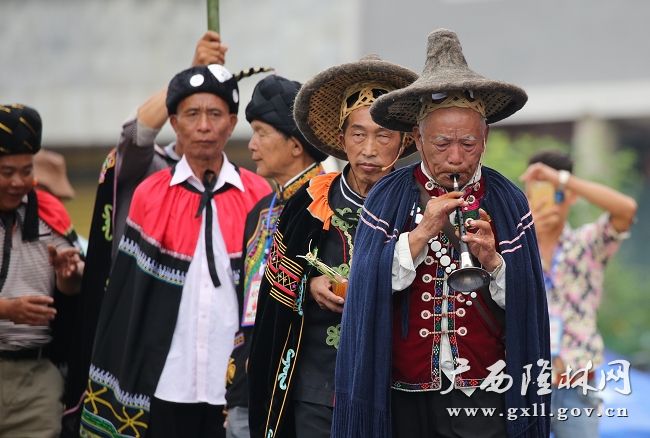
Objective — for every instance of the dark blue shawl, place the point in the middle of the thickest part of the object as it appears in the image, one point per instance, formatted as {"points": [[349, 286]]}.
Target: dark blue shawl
{"points": [[363, 367]]}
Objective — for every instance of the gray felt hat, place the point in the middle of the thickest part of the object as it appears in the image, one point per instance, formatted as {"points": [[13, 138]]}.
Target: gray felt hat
{"points": [[318, 103], [445, 70]]}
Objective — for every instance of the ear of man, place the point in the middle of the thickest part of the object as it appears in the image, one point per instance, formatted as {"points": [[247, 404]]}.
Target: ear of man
{"points": [[297, 148], [417, 137], [173, 121]]}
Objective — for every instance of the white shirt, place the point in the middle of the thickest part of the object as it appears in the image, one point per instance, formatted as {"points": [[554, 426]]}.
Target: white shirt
{"points": [[196, 364]]}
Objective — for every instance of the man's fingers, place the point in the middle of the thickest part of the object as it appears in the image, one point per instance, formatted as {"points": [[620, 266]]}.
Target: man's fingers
{"points": [[65, 261], [69, 252], [482, 226], [41, 310], [39, 300], [37, 322], [39, 319], [207, 56], [211, 36], [451, 195], [32, 310], [484, 215], [63, 255], [333, 298], [331, 301]]}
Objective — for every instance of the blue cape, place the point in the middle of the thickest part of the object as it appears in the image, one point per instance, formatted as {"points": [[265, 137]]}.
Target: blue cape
{"points": [[363, 366]]}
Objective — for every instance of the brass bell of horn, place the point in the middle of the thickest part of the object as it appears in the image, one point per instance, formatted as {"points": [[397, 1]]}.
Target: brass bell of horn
{"points": [[468, 277]]}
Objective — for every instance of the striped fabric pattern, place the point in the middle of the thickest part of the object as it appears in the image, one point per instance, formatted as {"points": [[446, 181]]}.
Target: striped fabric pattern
{"points": [[29, 273]]}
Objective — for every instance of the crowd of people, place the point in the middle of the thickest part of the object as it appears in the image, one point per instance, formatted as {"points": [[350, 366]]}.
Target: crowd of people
{"points": [[215, 301]]}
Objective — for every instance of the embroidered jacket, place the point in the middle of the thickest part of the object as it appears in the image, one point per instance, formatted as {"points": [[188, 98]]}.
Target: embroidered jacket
{"points": [[289, 328], [258, 233]]}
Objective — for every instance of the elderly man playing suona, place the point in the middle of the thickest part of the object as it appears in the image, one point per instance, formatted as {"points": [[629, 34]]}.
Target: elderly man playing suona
{"points": [[170, 313], [412, 346], [39, 262], [295, 340], [282, 154]]}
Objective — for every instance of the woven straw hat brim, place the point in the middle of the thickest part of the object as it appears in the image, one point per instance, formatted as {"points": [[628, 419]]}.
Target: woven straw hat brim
{"points": [[318, 103], [445, 70]]}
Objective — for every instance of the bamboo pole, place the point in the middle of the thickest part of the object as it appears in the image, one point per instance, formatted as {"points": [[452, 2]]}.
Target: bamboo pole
{"points": [[213, 15]]}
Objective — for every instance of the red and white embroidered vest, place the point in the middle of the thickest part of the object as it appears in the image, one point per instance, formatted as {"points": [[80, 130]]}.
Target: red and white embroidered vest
{"points": [[435, 311]]}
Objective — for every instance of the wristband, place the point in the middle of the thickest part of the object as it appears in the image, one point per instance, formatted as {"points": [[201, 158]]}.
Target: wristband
{"points": [[563, 178]]}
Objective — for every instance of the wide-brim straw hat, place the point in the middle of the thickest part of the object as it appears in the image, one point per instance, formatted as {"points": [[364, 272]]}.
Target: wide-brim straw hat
{"points": [[318, 104], [445, 70]]}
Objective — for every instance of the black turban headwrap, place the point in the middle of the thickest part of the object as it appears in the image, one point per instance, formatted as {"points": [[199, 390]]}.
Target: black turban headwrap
{"points": [[272, 103], [20, 130], [20, 133], [213, 78]]}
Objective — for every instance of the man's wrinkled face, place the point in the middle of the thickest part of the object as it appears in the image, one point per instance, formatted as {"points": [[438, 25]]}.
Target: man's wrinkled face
{"points": [[16, 179], [368, 146], [451, 140], [203, 124], [272, 151]]}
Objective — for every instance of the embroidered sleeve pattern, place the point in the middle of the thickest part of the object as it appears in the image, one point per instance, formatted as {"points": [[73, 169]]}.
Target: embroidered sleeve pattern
{"points": [[283, 273], [164, 265]]}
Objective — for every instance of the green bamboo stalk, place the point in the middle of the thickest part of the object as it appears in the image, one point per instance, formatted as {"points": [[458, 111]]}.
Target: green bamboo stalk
{"points": [[213, 15]]}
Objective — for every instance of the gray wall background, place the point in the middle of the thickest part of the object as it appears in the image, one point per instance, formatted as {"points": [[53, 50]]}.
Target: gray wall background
{"points": [[87, 64]]}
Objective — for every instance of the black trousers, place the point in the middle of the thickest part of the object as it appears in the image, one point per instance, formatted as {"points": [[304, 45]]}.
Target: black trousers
{"points": [[182, 420], [426, 414], [312, 420]]}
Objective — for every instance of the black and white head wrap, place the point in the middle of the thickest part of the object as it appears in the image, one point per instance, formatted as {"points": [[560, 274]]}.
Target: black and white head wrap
{"points": [[213, 78]]}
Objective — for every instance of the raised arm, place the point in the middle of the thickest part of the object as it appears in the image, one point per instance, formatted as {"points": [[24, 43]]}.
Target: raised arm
{"points": [[621, 208], [136, 146]]}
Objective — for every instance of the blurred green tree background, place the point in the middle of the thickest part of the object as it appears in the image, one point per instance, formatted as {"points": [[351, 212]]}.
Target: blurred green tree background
{"points": [[623, 314]]}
